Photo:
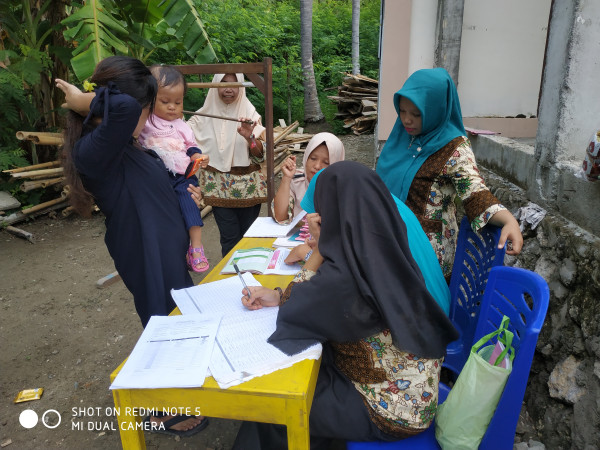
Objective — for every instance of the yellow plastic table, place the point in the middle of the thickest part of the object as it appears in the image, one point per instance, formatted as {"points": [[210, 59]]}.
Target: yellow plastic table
{"points": [[282, 397]]}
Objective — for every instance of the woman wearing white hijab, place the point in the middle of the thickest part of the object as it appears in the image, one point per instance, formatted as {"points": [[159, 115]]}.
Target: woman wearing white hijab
{"points": [[322, 150], [233, 183]]}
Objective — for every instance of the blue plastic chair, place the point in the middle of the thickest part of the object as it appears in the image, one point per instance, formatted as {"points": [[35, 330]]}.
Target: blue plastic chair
{"points": [[523, 296], [476, 254]]}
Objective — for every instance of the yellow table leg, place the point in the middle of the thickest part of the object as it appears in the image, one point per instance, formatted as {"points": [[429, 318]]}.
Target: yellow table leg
{"points": [[132, 436], [298, 434]]}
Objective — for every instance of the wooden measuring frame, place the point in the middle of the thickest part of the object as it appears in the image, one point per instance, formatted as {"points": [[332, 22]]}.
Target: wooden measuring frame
{"points": [[264, 84]]}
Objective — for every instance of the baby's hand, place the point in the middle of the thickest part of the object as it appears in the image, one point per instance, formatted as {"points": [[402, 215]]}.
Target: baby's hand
{"points": [[289, 167], [205, 160]]}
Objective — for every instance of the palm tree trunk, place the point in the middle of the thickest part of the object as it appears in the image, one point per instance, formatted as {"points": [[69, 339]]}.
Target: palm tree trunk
{"points": [[355, 36], [312, 108]]}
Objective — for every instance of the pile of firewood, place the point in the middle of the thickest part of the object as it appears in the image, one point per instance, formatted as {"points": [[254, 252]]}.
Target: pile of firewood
{"points": [[40, 176], [357, 103], [286, 141]]}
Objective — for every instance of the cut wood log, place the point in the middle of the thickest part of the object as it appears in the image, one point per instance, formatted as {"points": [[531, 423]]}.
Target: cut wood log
{"points": [[285, 132], [108, 280], [20, 233]]}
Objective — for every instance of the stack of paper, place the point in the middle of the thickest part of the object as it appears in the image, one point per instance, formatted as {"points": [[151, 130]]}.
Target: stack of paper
{"points": [[173, 351], [267, 227], [241, 350]]}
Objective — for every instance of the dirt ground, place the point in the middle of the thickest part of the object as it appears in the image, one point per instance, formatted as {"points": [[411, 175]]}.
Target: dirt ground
{"points": [[63, 334]]}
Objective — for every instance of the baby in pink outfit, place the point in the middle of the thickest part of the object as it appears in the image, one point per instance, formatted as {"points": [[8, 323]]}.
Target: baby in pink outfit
{"points": [[173, 141]]}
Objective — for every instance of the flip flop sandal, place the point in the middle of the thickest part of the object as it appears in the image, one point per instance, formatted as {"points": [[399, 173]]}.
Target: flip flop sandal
{"points": [[193, 262], [167, 424]]}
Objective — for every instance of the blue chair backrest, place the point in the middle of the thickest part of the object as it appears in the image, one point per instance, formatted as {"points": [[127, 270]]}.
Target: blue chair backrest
{"points": [[476, 254], [523, 296]]}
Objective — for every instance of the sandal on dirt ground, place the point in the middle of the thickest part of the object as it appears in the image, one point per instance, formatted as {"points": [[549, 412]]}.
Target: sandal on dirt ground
{"points": [[167, 424], [193, 262]]}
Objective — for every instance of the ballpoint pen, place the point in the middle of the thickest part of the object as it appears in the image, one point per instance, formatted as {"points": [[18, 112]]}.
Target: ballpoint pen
{"points": [[241, 278]]}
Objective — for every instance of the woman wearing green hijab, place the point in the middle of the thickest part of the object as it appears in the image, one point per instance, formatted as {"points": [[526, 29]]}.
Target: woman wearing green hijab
{"points": [[427, 162]]}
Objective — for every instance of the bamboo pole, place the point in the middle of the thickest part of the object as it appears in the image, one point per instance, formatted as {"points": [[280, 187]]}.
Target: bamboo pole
{"points": [[67, 211], [37, 173], [41, 138], [50, 182], [19, 216], [34, 167], [218, 117], [31, 185], [44, 205], [208, 84], [40, 184]]}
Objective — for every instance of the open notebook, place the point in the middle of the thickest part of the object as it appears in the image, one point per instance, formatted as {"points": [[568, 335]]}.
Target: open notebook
{"points": [[261, 260], [267, 227], [241, 351]]}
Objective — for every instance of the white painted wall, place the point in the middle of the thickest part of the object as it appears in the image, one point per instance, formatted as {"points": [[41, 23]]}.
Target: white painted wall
{"points": [[580, 93], [422, 35], [501, 57]]}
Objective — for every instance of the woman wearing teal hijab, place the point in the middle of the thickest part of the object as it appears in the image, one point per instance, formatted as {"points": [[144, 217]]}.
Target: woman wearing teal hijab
{"points": [[427, 162]]}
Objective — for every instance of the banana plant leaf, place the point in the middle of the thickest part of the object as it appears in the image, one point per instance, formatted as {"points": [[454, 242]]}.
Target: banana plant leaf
{"points": [[101, 28]]}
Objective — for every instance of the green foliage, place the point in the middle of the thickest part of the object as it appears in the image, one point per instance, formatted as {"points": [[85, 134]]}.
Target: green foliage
{"points": [[101, 28], [250, 30], [11, 158], [16, 105]]}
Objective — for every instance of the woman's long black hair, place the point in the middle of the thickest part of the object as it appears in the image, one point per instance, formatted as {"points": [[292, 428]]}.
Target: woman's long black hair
{"points": [[131, 77]]}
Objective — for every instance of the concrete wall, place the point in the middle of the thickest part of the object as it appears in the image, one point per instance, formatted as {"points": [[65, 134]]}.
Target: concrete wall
{"points": [[501, 57], [570, 100], [421, 51], [564, 383], [572, 198]]}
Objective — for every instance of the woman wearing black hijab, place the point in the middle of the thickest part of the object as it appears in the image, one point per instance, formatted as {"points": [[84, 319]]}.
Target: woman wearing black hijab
{"points": [[383, 334]]}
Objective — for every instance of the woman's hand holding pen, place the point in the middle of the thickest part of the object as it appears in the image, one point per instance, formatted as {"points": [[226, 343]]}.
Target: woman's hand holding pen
{"points": [[259, 296]]}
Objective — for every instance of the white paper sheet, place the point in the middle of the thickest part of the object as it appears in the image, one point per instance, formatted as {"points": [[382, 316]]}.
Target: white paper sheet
{"points": [[241, 350], [173, 351], [267, 227]]}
